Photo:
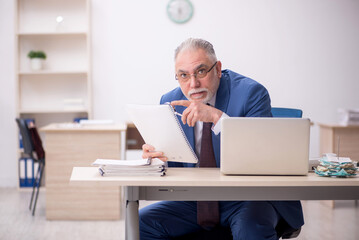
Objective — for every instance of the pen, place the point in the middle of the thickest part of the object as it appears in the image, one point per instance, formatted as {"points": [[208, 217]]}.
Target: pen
{"points": [[178, 114], [174, 110]]}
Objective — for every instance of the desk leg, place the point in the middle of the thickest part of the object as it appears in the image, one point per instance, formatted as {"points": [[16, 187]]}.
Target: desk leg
{"points": [[132, 219]]}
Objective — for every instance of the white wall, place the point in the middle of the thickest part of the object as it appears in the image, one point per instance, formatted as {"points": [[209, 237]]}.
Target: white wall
{"points": [[8, 138], [305, 52]]}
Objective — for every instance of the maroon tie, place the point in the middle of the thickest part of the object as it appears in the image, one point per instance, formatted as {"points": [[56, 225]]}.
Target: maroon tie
{"points": [[207, 211]]}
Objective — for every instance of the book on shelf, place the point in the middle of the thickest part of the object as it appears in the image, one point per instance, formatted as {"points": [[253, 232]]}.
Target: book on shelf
{"points": [[27, 172]]}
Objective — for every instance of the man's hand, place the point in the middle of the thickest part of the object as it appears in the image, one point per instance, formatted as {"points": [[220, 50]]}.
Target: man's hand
{"points": [[149, 151], [198, 111]]}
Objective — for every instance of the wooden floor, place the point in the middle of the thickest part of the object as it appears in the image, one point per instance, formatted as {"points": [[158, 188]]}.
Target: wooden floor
{"points": [[16, 223]]}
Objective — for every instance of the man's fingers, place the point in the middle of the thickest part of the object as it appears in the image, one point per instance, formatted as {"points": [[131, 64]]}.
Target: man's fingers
{"points": [[190, 119], [184, 103], [154, 155], [189, 116], [184, 116], [149, 151], [164, 159], [147, 147]]}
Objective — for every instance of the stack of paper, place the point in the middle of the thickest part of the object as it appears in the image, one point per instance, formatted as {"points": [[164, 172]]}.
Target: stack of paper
{"points": [[142, 167], [331, 165], [348, 116]]}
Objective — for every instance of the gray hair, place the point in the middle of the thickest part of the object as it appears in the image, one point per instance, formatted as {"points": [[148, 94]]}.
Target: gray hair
{"points": [[194, 44]]}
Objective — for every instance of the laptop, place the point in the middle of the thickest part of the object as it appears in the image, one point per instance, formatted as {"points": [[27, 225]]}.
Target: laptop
{"points": [[265, 146]]}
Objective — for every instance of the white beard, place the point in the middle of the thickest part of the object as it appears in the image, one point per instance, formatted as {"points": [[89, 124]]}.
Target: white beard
{"points": [[197, 90]]}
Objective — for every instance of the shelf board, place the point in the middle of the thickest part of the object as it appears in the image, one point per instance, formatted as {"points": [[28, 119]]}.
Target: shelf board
{"points": [[45, 111], [29, 189], [79, 33], [46, 72]]}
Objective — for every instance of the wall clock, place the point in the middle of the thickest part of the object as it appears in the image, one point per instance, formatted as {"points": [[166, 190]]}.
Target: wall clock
{"points": [[180, 11]]}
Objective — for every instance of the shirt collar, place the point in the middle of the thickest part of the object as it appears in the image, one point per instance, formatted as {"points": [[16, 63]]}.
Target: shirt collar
{"points": [[212, 101]]}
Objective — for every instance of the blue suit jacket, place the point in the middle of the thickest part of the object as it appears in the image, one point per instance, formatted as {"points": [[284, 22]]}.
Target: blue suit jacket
{"points": [[238, 96]]}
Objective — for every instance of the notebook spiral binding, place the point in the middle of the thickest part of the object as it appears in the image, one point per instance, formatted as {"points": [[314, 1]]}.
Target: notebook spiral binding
{"points": [[180, 127]]}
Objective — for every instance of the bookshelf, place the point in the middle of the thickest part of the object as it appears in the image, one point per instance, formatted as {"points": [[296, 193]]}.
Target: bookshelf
{"points": [[62, 89], [63, 86]]}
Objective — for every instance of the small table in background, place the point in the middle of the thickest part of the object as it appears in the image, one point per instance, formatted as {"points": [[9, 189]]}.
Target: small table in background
{"points": [[70, 145], [348, 137]]}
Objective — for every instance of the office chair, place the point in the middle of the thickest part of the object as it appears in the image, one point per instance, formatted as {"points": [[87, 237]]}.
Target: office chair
{"points": [[286, 112], [284, 231], [32, 143]]}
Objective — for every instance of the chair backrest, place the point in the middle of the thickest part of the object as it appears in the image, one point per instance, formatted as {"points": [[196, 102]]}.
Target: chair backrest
{"points": [[26, 137], [37, 143], [286, 112]]}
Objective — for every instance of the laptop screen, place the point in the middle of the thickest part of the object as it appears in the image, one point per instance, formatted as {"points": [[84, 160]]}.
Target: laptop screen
{"points": [[265, 146]]}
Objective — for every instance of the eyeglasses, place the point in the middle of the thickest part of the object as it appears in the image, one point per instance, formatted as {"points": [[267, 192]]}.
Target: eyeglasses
{"points": [[200, 73]]}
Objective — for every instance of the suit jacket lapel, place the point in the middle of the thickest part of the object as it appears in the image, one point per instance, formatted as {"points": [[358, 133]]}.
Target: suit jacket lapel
{"points": [[222, 97]]}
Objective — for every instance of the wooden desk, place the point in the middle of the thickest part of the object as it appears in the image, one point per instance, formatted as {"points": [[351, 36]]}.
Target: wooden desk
{"points": [[349, 140], [209, 184], [68, 146]]}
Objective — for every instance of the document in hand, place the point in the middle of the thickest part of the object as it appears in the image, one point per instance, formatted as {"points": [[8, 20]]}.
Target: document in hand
{"points": [[160, 127], [142, 167]]}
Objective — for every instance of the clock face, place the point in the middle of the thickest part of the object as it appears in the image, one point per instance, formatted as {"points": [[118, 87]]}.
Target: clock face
{"points": [[180, 11]]}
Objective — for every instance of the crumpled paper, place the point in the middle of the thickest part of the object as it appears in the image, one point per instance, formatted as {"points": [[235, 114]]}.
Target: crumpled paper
{"points": [[332, 166]]}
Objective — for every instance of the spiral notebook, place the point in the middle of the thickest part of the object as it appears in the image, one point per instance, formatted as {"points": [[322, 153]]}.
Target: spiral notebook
{"points": [[160, 127]]}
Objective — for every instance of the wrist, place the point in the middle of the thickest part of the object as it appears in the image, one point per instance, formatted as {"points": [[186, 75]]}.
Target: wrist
{"points": [[216, 116]]}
